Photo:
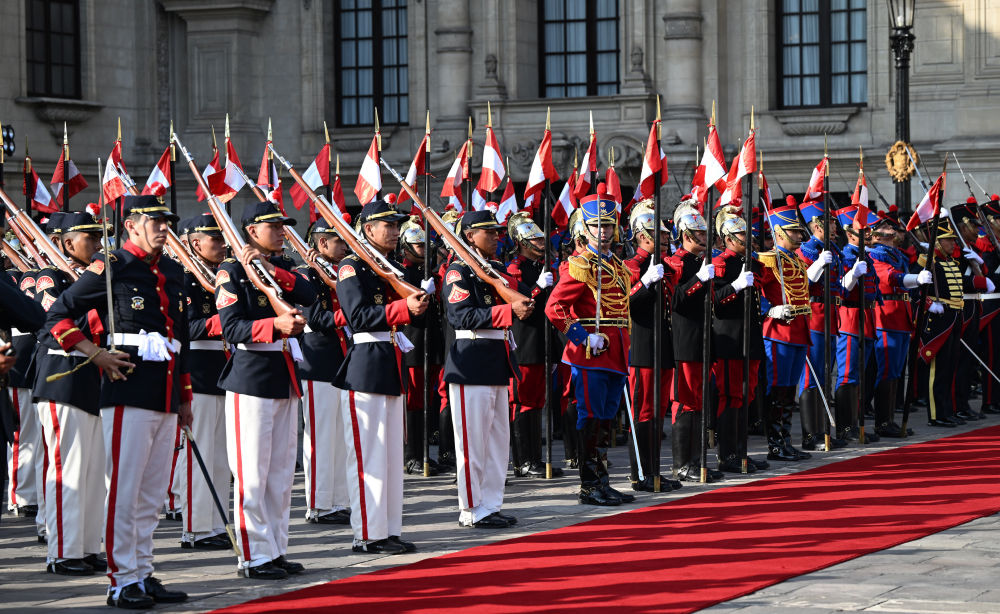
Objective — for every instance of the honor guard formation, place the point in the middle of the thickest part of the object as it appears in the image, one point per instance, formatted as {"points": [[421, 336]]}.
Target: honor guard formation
{"points": [[156, 367]]}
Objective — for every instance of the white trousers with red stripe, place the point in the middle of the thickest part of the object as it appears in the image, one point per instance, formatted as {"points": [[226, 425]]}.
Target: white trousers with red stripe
{"points": [[373, 430], [75, 488], [201, 518], [25, 455], [175, 492], [138, 445], [260, 435], [482, 448], [324, 453]]}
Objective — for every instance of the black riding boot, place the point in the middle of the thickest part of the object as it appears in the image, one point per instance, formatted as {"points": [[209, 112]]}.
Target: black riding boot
{"points": [[846, 403], [591, 466], [570, 440], [727, 437], [885, 402]]}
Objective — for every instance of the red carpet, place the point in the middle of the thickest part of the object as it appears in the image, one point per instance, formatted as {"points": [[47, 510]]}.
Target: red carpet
{"points": [[694, 552]]}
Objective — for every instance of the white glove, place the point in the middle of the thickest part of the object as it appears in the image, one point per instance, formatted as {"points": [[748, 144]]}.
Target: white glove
{"points": [[971, 255], [706, 271], [153, 347], [936, 307], [990, 286], [815, 270], [544, 280], [912, 280], [780, 312], [595, 341], [403, 343], [924, 277], [857, 271], [428, 285], [923, 245], [652, 275], [743, 280]]}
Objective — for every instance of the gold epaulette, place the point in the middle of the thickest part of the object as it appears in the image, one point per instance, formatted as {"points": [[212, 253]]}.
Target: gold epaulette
{"points": [[768, 259], [579, 267], [922, 260]]}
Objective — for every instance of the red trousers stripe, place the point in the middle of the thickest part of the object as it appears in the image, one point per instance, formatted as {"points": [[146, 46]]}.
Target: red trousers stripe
{"points": [[466, 466], [244, 535], [356, 432], [109, 523], [57, 453]]}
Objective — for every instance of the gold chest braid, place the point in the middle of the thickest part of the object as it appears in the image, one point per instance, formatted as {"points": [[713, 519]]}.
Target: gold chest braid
{"points": [[615, 283], [793, 272]]}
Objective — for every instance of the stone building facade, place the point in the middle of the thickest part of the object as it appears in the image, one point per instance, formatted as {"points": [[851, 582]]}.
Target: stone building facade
{"points": [[303, 62]]}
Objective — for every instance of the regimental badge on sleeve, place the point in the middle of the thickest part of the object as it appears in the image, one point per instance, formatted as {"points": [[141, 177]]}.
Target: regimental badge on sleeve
{"points": [[47, 301], [221, 278], [224, 299], [27, 284], [96, 267], [457, 294], [346, 271], [452, 277], [44, 283]]}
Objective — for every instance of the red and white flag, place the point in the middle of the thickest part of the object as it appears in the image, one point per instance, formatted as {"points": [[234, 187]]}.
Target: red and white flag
{"points": [[542, 169], [227, 182], [734, 188], [587, 170], [565, 203], [212, 168], [337, 191], [455, 204], [68, 177], [815, 190], [860, 196], [159, 178], [34, 188], [370, 178], [112, 185], [747, 158], [930, 206], [613, 187], [417, 168], [493, 171], [765, 191], [317, 175], [508, 203], [714, 161], [479, 201], [453, 182], [653, 161], [268, 181]]}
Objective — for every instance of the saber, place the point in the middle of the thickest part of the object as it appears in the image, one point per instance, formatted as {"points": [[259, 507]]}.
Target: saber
{"points": [[822, 395], [635, 442], [107, 264], [215, 496], [976, 356]]}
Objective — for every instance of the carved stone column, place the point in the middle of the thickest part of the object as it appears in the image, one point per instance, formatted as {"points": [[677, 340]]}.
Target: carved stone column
{"points": [[682, 87], [453, 64]]}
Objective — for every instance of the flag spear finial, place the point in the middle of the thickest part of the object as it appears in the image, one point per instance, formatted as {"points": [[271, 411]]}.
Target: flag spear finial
{"points": [[611, 156], [712, 121], [760, 157], [227, 125], [326, 132], [338, 165], [427, 131], [659, 127], [576, 158], [173, 148], [751, 118], [215, 145], [27, 156], [65, 142], [378, 132], [269, 128], [591, 123], [825, 150], [470, 127], [489, 114], [548, 117], [119, 128]]}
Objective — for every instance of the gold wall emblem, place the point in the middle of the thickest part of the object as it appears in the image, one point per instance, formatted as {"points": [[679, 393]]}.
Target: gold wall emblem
{"points": [[898, 163]]}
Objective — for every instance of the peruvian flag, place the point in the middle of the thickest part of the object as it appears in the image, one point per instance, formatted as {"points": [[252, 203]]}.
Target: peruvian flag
{"points": [[318, 174], [747, 158], [566, 203], [734, 189], [714, 161], [542, 169], [860, 196], [370, 178], [227, 182], [34, 188], [699, 189], [417, 168], [815, 190], [493, 171], [159, 178], [765, 191], [212, 168], [111, 184], [508, 203], [453, 182], [68, 176], [268, 181], [930, 207], [455, 204], [861, 216], [587, 169], [337, 191], [613, 187], [653, 161], [479, 201]]}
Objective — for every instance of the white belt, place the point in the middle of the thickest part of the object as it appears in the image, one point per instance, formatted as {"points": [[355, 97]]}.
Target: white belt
{"points": [[207, 344], [981, 297], [17, 333], [483, 333], [76, 353], [275, 346], [380, 337], [136, 340]]}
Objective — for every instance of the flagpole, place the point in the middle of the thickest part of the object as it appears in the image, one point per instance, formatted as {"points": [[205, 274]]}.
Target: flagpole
{"points": [[378, 146], [428, 274], [749, 301], [329, 167], [827, 293], [466, 178], [28, 180], [706, 338], [229, 203], [547, 331], [116, 210], [655, 438], [65, 186], [862, 314], [173, 160]]}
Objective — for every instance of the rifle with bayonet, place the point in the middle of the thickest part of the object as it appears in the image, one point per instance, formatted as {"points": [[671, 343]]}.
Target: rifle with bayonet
{"points": [[979, 211], [28, 232], [14, 256]]}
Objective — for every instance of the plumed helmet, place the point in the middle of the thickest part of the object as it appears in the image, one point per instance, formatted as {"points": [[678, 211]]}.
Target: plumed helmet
{"points": [[450, 218], [410, 231], [687, 218], [642, 219], [521, 228], [577, 229], [729, 223]]}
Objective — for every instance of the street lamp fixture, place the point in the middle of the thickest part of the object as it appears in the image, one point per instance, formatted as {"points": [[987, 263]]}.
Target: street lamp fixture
{"points": [[901, 40]]}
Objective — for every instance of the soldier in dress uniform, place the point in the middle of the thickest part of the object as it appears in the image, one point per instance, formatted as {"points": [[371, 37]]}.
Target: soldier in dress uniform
{"points": [[893, 320], [527, 394], [735, 274], [991, 308], [411, 241], [575, 244], [690, 271], [590, 306], [375, 380], [69, 408], [477, 369], [642, 309], [324, 447], [262, 391], [202, 525], [446, 431], [812, 411], [787, 284], [145, 390], [967, 225]]}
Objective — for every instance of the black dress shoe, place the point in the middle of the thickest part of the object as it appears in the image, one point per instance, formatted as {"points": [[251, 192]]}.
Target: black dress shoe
{"points": [[409, 546], [597, 496], [381, 546], [760, 464], [162, 594], [957, 421], [872, 436], [175, 515], [43, 539], [264, 571], [624, 496], [510, 519], [96, 562], [26, 511], [215, 542], [644, 485], [530, 470], [290, 567], [70, 567], [731, 466], [967, 416], [132, 597], [890, 430], [692, 474], [941, 423], [416, 467], [338, 517], [490, 522], [991, 408]]}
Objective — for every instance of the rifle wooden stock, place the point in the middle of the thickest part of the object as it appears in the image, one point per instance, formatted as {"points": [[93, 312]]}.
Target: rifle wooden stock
{"points": [[40, 261], [399, 285], [37, 237], [14, 256], [236, 242], [505, 292]]}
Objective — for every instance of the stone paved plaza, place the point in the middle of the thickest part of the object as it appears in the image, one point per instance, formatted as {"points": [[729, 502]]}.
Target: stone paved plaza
{"points": [[953, 572]]}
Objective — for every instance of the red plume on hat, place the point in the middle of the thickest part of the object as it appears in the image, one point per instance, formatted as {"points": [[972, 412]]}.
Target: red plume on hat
{"points": [[971, 200], [790, 201], [390, 199], [995, 197]]}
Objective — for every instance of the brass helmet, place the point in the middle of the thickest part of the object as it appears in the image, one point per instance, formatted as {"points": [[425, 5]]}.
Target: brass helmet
{"points": [[642, 219], [729, 223], [410, 231], [577, 229], [521, 228], [687, 219], [450, 218]]}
